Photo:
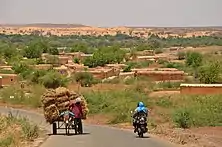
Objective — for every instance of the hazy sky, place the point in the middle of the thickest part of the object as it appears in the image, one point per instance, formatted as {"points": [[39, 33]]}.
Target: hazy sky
{"points": [[114, 12]]}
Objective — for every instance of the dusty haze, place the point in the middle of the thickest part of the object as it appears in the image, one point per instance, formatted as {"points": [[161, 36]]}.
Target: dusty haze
{"points": [[104, 13]]}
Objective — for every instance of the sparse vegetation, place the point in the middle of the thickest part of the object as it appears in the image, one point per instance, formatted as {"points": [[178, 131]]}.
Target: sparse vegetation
{"points": [[16, 131], [85, 79]]}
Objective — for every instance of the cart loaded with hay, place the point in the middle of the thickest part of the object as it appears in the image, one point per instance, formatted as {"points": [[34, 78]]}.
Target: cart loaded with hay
{"points": [[56, 101]]}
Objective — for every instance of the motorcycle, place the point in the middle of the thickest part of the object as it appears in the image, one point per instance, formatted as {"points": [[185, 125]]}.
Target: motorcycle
{"points": [[141, 125]]}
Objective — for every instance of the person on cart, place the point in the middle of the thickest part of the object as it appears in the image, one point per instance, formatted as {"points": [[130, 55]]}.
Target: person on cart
{"points": [[76, 108], [67, 113]]}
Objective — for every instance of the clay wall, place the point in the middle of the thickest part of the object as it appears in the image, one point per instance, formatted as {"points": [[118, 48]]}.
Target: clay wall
{"points": [[201, 89], [8, 79]]}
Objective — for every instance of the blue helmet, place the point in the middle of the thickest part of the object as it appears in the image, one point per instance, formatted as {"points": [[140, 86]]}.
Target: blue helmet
{"points": [[140, 104]]}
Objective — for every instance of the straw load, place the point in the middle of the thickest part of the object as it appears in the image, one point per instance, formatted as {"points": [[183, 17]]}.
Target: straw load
{"points": [[57, 100]]}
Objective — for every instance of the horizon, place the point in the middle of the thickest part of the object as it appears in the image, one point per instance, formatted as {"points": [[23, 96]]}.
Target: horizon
{"points": [[83, 25]]}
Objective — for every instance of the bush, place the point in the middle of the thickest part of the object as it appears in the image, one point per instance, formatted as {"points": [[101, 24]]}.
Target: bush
{"points": [[84, 78], [22, 69], [194, 59], [210, 73], [179, 66], [53, 79], [127, 68], [36, 75], [30, 132], [182, 118], [76, 60], [105, 55], [52, 59], [33, 51], [181, 55]]}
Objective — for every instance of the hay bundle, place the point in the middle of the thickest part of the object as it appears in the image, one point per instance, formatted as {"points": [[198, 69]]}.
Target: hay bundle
{"points": [[58, 100]]}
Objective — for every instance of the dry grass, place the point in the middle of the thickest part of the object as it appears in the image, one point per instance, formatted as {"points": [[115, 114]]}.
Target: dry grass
{"points": [[29, 96], [17, 132]]}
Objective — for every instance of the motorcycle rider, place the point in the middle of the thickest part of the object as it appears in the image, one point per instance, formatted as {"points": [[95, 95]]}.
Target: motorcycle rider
{"points": [[76, 108], [141, 110]]}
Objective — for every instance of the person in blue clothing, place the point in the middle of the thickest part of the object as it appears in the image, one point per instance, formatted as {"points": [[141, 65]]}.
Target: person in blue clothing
{"points": [[67, 112], [141, 110]]}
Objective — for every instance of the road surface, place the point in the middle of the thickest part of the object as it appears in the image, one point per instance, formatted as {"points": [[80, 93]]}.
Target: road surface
{"points": [[95, 136]]}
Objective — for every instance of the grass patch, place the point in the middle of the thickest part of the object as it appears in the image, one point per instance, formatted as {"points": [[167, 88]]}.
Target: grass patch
{"points": [[164, 102], [167, 85], [141, 64], [199, 111], [115, 103], [183, 111], [16, 95], [2, 71], [17, 131]]}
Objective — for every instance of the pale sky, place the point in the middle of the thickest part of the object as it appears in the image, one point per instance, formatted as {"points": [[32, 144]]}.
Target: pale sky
{"points": [[173, 13]]}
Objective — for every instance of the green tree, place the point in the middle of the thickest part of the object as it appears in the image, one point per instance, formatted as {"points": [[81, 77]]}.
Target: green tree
{"points": [[52, 59], [194, 59], [53, 79], [81, 47], [34, 50], [105, 55], [53, 51], [84, 78], [210, 73]]}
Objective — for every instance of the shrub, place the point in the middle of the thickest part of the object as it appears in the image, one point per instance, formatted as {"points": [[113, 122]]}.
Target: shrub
{"points": [[194, 59], [181, 55], [127, 68], [210, 73], [182, 118], [30, 132], [52, 59], [22, 68], [76, 60], [53, 79], [36, 75], [84, 78]]}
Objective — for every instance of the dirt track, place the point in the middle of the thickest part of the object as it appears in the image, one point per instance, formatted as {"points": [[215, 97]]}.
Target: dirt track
{"points": [[95, 136]]}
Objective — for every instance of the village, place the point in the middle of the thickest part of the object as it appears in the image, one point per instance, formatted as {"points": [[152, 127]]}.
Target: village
{"points": [[179, 79], [109, 72]]}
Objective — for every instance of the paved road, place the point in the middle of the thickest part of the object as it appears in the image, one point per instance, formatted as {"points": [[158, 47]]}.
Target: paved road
{"points": [[95, 136]]}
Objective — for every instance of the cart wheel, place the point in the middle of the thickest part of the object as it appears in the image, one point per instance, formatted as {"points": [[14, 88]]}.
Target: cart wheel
{"points": [[54, 129]]}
